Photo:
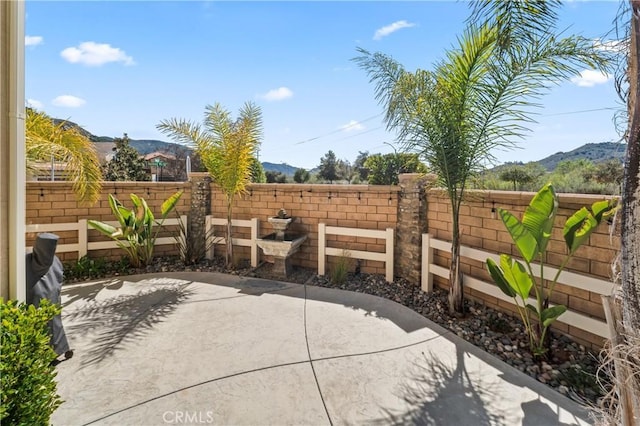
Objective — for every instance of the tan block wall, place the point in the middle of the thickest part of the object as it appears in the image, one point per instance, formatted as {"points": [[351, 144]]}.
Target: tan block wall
{"points": [[351, 206], [482, 231], [55, 202]]}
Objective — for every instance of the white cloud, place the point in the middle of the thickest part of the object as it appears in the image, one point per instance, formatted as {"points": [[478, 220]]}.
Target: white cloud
{"points": [[616, 46], [589, 78], [352, 126], [278, 94], [33, 103], [68, 101], [95, 54], [32, 40], [391, 28]]}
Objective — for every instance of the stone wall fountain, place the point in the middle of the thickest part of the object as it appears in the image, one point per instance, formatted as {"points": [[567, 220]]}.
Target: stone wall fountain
{"points": [[281, 244]]}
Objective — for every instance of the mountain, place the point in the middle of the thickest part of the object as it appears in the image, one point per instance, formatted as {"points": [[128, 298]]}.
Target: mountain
{"points": [[283, 168], [104, 144], [595, 152]]}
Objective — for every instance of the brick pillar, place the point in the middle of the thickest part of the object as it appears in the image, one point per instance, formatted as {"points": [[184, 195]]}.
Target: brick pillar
{"points": [[200, 204], [412, 223]]}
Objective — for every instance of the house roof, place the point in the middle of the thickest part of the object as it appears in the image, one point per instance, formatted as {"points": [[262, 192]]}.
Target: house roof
{"points": [[157, 154]]}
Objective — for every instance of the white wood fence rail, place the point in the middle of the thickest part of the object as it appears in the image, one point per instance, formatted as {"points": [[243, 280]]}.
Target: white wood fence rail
{"points": [[584, 282], [254, 224], [386, 257], [83, 246]]}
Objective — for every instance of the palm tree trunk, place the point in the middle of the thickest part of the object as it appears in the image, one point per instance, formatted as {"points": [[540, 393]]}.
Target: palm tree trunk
{"points": [[630, 214], [229, 253], [456, 295]]}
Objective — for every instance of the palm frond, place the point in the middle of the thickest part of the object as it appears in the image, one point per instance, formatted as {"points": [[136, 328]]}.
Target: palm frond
{"points": [[516, 21], [68, 146]]}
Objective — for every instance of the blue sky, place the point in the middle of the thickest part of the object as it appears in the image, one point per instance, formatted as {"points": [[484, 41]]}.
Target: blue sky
{"points": [[116, 67]]}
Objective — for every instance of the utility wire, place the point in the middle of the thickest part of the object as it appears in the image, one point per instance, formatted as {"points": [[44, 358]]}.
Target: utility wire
{"points": [[583, 111], [379, 127], [338, 130]]}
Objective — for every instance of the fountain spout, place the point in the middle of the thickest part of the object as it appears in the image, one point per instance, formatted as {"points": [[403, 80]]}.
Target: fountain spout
{"points": [[281, 244]]}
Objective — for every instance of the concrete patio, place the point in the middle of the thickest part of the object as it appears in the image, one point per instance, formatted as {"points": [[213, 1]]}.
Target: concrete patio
{"points": [[207, 348]]}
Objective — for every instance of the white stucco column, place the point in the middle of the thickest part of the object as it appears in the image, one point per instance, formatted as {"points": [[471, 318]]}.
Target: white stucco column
{"points": [[12, 151]]}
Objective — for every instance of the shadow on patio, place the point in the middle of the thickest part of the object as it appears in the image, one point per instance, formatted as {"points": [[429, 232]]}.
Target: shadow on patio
{"points": [[112, 322]]}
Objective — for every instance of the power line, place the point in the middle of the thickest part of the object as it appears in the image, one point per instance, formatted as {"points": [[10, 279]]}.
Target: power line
{"points": [[358, 122], [339, 130], [582, 111]]}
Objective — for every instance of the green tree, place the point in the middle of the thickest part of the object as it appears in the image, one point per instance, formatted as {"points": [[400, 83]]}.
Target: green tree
{"points": [[609, 172], [344, 170], [227, 148], [275, 177], [359, 166], [45, 140], [521, 174], [479, 97], [126, 164], [328, 169], [574, 176], [301, 176], [384, 169], [257, 171]]}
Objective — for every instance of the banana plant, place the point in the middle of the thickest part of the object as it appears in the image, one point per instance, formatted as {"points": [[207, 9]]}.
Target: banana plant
{"points": [[136, 234], [531, 236]]}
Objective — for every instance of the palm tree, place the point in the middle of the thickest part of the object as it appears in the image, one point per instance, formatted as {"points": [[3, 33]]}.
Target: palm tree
{"points": [[66, 144], [479, 98], [227, 149]]}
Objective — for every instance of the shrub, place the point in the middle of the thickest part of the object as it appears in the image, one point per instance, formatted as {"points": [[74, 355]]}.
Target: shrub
{"points": [[27, 376], [86, 267], [341, 269], [531, 236], [193, 250], [136, 234]]}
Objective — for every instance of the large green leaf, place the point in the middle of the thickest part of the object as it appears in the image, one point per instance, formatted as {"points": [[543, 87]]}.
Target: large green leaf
{"points": [[603, 209], [516, 276], [104, 228], [522, 281], [540, 214], [170, 203], [115, 208], [499, 279], [583, 222], [551, 314], [148, 217], [524, 240], [577, 229], [139, 208]]}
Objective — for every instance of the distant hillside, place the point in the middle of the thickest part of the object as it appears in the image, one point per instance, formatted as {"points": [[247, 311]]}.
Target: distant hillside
{"points": [[104, 144], [283, 168], [595, 152]]}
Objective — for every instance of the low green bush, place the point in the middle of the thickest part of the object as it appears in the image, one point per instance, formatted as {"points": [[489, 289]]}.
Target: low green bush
{"points": [[86, 267], [340, 270], [27, 376]]}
